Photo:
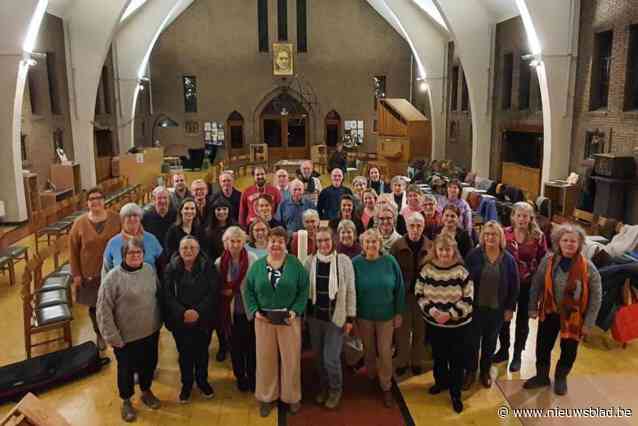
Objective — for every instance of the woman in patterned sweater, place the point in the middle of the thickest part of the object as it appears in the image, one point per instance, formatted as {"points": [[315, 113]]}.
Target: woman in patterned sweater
{"points": [[445, 294]]}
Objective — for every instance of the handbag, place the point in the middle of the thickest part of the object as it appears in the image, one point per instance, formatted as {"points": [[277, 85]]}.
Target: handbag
{"points": [[625, 327], [86, 294]]}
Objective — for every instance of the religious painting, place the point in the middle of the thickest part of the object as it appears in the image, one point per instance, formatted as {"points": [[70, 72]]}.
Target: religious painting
{"points": [[282, 59]]}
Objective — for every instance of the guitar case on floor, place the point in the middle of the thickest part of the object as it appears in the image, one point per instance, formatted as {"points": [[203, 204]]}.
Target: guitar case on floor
{"points": [[45, 371]]}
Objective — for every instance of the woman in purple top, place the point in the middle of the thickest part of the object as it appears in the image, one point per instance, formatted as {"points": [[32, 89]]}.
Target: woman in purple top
{"points": [[454, 198]]}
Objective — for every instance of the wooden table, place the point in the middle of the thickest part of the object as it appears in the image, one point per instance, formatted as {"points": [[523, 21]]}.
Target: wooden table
{"points": [[49, 198], [563, 196]]}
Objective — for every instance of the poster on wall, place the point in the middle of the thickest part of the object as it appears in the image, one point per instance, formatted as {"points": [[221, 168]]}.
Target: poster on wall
{"points": [[353, 133], [213, 133]]}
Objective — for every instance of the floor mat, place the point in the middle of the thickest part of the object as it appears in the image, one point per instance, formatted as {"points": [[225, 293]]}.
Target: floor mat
{"points": [[588, 396], [361, 403]]}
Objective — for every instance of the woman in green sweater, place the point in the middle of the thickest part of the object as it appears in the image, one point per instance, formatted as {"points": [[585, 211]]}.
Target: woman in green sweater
{"points": [[380, 302], [276, 295]]}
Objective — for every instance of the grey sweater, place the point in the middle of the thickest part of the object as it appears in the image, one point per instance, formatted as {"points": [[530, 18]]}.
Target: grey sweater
{"points": [[560, 281], [127, 305], [346, 298]]}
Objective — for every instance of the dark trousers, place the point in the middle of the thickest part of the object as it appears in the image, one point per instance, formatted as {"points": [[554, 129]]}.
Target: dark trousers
{"points": [[139, 356], [485, 326], [242, 349], [93, 316], [192, 347], [221, 338], [548, 331], [522, 323], [448, 351]]}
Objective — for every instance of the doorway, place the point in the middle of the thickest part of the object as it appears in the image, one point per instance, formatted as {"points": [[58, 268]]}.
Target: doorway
{"points": [[284, 128]]}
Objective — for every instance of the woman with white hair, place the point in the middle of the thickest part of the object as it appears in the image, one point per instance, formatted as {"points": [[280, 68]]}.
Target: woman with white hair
{"points": [[236, 320], [565, 295], [128, 314], [410, 252], [359, 185], [131, 216], [330, 313], [398, 192], [495, 275], [388, 199], [306, 245], [526, 242], [380, 303]]}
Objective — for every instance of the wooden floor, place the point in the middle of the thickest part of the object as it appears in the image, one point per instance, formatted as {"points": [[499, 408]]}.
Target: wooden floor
{"points": [[94, 400]]}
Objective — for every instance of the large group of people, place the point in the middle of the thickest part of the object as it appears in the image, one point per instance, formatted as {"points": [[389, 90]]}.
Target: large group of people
{"points": [[403, 271]]}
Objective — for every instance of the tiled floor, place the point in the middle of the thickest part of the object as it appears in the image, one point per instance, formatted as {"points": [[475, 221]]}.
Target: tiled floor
{"points": [[94, 401]]}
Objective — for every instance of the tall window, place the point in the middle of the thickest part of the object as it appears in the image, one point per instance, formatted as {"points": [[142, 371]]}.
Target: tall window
{"points": [[262, 24], [54, 93], [302, 26], [524, 80], [601, 66], [333, 126], [631, 80], [190, 93], [282, 20], [508, 71], [465, 95], [379, 89], [454, 103], [236, 130]]}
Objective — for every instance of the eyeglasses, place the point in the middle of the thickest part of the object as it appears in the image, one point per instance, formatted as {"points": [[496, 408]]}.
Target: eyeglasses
{"points": [[134, 252], [96, 198]]}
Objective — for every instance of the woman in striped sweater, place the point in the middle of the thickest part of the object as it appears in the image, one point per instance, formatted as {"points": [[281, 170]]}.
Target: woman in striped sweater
{"points": [[445, 294]]}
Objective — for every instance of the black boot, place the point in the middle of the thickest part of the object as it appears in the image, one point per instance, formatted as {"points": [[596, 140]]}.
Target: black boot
{"points": [[560, 381], [515, 365], [541, 379], [501, 356]]}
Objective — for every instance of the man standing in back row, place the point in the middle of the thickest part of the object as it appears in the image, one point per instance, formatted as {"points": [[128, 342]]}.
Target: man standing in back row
{"points": [[246, 206], [330, 198], [229, 193]]}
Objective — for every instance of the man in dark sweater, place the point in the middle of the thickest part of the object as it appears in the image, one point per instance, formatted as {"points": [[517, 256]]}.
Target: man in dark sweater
{"points": [[229, 193], [330, 197], [159, 216]]}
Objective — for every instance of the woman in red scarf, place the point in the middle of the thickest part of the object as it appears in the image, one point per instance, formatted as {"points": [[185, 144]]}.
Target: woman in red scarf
{"points": [[565, 295], [235, 321]]}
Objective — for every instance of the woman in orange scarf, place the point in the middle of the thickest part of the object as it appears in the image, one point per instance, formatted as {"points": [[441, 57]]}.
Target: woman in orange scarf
{"points": [[565, 295]]}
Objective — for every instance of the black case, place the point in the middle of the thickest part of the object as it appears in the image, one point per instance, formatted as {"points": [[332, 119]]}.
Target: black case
{"points": [[45, 371]]}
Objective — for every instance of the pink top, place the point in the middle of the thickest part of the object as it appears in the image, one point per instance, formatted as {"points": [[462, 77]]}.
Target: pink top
{"points": [[527, 255]]}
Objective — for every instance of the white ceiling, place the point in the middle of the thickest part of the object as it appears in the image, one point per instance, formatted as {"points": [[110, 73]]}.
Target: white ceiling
{"points": [[501, 10], [429, 7], [58, 7]]}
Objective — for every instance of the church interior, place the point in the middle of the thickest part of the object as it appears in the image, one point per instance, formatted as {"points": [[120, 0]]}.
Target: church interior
{"points": [[512, 102]]}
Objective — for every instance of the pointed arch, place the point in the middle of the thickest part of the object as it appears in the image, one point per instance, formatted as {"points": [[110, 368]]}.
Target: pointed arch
{"points": [[333, 128], [235, 126]]}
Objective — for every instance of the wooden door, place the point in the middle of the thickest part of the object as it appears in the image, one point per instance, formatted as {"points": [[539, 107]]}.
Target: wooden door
{"points": [[286, 136]]}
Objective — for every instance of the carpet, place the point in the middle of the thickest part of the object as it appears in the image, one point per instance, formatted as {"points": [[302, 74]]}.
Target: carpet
{"points": [[361, 403], [586, 398]]}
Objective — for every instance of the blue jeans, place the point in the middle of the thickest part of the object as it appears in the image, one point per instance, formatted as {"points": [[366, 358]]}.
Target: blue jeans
{"points": [[327, 341]]}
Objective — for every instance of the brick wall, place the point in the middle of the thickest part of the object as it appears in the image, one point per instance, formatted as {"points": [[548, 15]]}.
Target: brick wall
{"points": [[217, 41], [620, 127], [511, 39]]}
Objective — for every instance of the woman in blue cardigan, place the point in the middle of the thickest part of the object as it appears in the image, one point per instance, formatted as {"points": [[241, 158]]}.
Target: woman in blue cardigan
{"points": [[495, 275]]}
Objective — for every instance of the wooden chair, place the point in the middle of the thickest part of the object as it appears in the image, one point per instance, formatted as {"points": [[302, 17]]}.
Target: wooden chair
{"points": [[9, 256], [31, 411], [54, 227], [39, 318]]}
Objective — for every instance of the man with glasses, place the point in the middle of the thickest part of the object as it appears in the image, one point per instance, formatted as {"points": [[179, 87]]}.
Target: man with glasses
{"points": [[290, 212], [282, 183], [160, 215]]}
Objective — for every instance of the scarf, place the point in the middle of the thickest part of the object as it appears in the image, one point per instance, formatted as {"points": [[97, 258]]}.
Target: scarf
{"points": [[333, 281], [126, 236], [309, 183], [571, 311], [234, 285]]}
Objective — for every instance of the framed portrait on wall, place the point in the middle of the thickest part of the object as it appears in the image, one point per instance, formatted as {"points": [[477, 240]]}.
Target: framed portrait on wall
{"points": [[282, 59]]}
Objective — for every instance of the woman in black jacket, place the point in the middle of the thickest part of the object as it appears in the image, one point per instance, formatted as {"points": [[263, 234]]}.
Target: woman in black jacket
{"points": [[190, 292]]}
